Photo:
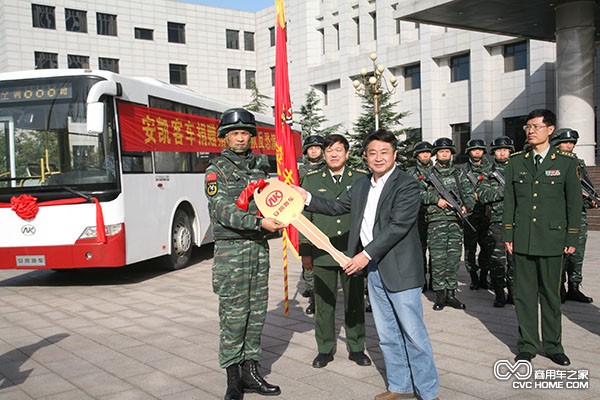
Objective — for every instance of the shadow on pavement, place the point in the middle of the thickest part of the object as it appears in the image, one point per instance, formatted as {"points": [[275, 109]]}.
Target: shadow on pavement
{"points": [[11, 361], [129, 274]]}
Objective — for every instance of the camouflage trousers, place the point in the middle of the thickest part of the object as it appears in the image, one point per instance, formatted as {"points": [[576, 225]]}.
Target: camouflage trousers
{"points": [[444, 239], [474, 261], [240, 277], [422, 225], [501, 263], [309, 279], [573, 264]]}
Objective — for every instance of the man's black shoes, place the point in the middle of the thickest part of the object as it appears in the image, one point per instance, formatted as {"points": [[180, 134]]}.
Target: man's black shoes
{"points": [[560, 359], [360, 358], [322, 359], [524, 356]]}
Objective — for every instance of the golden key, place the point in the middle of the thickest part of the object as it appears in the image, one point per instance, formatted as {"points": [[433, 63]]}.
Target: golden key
{"points": [[285, 204]]}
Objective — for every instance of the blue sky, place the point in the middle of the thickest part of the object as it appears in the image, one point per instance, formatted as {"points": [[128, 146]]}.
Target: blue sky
{"points": [[246, 5]]}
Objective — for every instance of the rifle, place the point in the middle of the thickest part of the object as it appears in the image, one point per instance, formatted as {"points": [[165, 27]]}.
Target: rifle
{"points": [[472, 178], [589, 193], [452, 198], [497, 175]]}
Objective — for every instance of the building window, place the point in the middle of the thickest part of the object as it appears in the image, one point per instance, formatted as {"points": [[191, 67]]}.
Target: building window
{"points": [[232, 38], [108, 64], [324, 89], [78, 62], [513, 128], [337, 36], [176, 32], [322, 35], [461, 134], [178, 74], [412, 77], [43, 16], [106, 24], [374, 18], [249, 41], [250, 77], [45, 60], [515, 56], [357, 23], [233, 78], [272, 35], [272, 76], [459, 66], [76, 20], [144, 34]]}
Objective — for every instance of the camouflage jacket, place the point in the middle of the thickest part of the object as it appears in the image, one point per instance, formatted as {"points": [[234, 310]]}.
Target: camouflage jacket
{"points": [[584, 175], [491, 192], [420, 173], [452, 179], [305, 168], [226, 177]]}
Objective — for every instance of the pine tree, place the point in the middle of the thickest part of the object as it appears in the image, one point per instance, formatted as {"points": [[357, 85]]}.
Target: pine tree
{"points": [[388, 120], [312, 117], [257, 104]]}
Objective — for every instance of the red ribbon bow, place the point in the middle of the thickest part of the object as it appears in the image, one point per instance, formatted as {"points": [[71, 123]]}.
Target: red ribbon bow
{"points": [[244, 198], [25, 206], [421, 177]]}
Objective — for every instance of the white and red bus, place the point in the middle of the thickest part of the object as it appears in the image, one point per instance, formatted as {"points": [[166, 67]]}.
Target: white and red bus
{"points": [[102, 170]]}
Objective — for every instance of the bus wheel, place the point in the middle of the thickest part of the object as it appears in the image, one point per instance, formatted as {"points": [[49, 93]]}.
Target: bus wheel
{"points": [[182, 238]]}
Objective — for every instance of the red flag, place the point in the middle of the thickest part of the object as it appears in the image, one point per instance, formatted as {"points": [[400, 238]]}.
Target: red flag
{"points": [[287, 168]]}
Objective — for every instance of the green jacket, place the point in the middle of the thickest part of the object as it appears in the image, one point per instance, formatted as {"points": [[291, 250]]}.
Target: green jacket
{"points": [[542, 209], [491, 192], [320, 182], [452, 179], [226, 177]]}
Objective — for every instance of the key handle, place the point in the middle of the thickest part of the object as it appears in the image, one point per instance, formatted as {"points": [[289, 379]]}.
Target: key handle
{"points": [[279, 201]]}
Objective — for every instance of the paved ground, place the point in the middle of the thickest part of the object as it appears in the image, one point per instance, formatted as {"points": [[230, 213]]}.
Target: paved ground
{"points": [[141, 333]]}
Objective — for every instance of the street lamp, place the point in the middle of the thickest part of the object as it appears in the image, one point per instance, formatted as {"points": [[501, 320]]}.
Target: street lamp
{"points": [[372, 82]]}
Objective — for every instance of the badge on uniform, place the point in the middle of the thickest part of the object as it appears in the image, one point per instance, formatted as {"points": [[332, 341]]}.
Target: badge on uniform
{"points": [[211, 184], [553, 172]]}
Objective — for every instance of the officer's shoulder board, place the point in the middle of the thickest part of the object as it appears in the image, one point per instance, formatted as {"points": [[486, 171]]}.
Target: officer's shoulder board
{"points": [[313, 172], [360, 170], [567, 154], [517, 153]]}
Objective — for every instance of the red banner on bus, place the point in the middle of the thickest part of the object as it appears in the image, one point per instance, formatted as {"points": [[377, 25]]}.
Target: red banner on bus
{"points": [[153, 129]]}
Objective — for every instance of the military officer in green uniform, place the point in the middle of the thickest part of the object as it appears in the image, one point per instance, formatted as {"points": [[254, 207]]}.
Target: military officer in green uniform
{"points": [[330, 182], [240, 272], [422, 153], [312, 148], [542, 216], [565, 139], [475, 169]]}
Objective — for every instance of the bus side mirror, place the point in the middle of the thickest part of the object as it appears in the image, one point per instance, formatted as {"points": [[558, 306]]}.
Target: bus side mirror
{"points": [[95, 117]]}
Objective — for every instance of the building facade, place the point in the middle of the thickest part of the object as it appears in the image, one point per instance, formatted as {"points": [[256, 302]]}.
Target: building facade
{"points": [[454, 83]]}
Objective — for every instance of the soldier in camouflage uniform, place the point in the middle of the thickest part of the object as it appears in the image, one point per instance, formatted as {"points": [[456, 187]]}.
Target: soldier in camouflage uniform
{"points": [[474, 170], [445, 231], [240, 270], [491, 193], [422, 152], [312, 148], [565, 139]]}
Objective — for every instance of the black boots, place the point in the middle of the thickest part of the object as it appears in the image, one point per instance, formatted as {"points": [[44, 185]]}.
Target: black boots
{"points": [[234, 383], [474, 280], [509, 297], [500, 299], [452, 301], [253, 382], [483, 282], [440, 300], [310, 310], [575, 294]]}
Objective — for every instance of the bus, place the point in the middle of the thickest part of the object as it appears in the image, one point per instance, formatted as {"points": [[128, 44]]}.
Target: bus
{"points": [[98, 169]]}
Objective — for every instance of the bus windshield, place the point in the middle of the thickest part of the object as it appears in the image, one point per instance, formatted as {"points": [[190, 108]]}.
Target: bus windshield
{"points": [[44, 143]]}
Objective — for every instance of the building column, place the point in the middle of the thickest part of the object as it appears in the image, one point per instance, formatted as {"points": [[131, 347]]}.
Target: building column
{"points": [[575, 31]]}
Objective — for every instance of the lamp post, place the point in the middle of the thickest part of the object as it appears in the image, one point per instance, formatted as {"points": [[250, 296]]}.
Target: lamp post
{"points": [[372, 82]]}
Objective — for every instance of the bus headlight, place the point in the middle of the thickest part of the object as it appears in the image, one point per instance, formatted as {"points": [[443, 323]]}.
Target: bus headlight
{"points": [[111, 230]]}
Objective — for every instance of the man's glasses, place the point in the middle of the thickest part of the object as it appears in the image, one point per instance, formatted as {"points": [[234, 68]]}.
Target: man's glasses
{"points": [[534, 127]]}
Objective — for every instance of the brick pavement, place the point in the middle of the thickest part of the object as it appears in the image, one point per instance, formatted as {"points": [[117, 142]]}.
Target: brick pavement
{"points": [[141, 333]]}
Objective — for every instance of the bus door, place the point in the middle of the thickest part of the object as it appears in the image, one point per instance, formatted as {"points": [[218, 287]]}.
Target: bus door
{"points": [[7, 152]]}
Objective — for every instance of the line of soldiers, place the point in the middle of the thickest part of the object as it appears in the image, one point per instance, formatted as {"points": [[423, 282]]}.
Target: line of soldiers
{"points": [[463, 204]]}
